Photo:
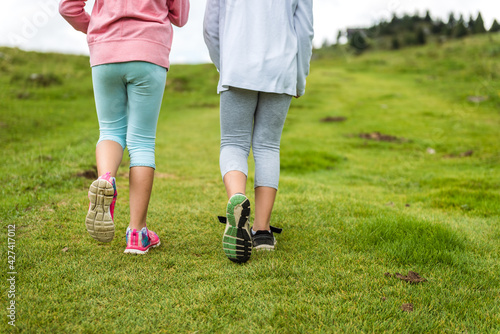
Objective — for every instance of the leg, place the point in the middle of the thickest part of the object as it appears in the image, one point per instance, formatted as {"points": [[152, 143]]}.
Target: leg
{"points": [[141, 183], [269, 121], [110, 93], [237, 108], [264, 202], [235, 182], [236, 117], [111, 99], [145, 87], [108, 155]]}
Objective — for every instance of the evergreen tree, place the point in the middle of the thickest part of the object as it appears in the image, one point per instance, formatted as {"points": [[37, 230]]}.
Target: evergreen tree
{"points": [[421, 38], [395, 20], [451, 20], [495, 27], [385, 28], [359, 42], [339, 36], [460, 28], [395, 43], [428, 17], [438, 27], [407, 22], [479, 25], [471, 25]]}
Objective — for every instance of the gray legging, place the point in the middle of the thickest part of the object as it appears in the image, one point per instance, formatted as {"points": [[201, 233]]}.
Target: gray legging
{"points": [[251, 118]]}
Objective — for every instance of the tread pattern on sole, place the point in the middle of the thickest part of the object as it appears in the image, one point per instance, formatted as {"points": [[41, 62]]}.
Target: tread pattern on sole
{"points": [[237, 240], [99, 222]]}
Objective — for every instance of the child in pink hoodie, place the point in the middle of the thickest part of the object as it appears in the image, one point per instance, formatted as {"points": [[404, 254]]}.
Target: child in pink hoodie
{"points": [[129, 43]]}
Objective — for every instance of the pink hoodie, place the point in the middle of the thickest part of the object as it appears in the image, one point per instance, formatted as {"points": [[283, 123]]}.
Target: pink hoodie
{"points": [[127, 30]]}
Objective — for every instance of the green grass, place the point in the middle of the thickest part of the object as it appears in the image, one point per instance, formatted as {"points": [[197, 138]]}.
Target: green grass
{"points": [[352, 209]]}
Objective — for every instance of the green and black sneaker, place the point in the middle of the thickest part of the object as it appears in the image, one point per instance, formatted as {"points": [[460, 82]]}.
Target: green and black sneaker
{"points": [[265, 240], [237, 239]]}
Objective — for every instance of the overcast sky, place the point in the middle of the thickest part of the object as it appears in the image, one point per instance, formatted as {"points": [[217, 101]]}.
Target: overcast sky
{"points": [[37, 25]]}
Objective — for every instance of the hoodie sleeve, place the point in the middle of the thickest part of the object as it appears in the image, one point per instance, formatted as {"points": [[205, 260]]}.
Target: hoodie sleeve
{"points": [[211, 31], [74, 12], [178, 12], [303, 20]]}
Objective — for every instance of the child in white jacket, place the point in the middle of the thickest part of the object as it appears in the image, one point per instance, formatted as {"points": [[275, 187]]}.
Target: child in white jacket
{"points": [[262, 49]]}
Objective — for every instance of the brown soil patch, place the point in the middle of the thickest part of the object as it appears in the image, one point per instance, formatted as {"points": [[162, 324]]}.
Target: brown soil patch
{"points": [[412, 277], [332, 119], [407, 307], [461, 155], [377, 136], [89, 174]]}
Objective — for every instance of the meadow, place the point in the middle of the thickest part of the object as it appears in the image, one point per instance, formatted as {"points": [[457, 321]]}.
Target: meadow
{"points": [[390, 165]]}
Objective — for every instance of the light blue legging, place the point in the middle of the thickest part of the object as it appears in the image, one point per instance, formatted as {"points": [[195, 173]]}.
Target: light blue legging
{"points": [[128, 99], [256, 119]]}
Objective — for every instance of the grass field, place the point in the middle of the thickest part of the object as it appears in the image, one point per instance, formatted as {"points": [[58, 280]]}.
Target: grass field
{"points": [[390, 164]]}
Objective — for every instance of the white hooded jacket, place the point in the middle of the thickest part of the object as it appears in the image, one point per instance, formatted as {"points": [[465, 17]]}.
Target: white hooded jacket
{"points": [[261, 45]]}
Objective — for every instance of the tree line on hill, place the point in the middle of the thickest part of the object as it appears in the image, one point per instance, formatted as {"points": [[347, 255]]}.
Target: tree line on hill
{"points": [[409, 30]]}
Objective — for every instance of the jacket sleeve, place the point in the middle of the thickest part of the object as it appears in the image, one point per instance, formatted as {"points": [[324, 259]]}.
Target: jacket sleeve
{"points": [[303, 20], [74, 12], [211, 31], [178, 12]]}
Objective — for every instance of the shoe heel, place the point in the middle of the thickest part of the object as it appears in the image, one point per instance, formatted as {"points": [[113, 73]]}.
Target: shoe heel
{"points": [[237, 241], [98, 221]]}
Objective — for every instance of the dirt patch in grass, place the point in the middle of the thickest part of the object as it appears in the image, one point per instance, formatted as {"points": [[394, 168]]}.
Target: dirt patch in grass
{"points": [[89, 173], [407, 307], [412, 277], [377, 136], [461, 155], [333, 119]]}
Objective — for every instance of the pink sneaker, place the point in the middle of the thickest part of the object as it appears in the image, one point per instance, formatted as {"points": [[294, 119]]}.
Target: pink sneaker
{"points": [[139, 242], [99, 220]]}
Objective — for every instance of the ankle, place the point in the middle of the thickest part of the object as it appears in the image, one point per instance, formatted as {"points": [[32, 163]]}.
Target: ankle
{"points": [[264, 227], [138, 227]]}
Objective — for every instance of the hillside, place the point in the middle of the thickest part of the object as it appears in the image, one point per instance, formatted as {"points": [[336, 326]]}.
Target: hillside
{"points": [[389, 166]]}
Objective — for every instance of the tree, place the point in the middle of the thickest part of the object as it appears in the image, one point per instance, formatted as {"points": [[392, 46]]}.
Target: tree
{"points": [[451, 20], [471, 25], [359, 41], [479, 25], [395, 43], [460, 28], [438, 27], [395, 18], [421, 38], [428, 17], [495, 27]]}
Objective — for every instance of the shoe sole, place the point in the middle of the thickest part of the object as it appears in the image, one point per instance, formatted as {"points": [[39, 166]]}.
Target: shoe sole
{"points": [[237, 241], [140, 252], [99, 223], [264, 248]]}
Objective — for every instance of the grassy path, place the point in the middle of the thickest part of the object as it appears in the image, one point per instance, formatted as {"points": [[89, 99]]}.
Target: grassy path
{"points": [[421, 195]]}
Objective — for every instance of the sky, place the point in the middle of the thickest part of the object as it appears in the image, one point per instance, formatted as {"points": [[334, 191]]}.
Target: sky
{"points": [[36, 24]]}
